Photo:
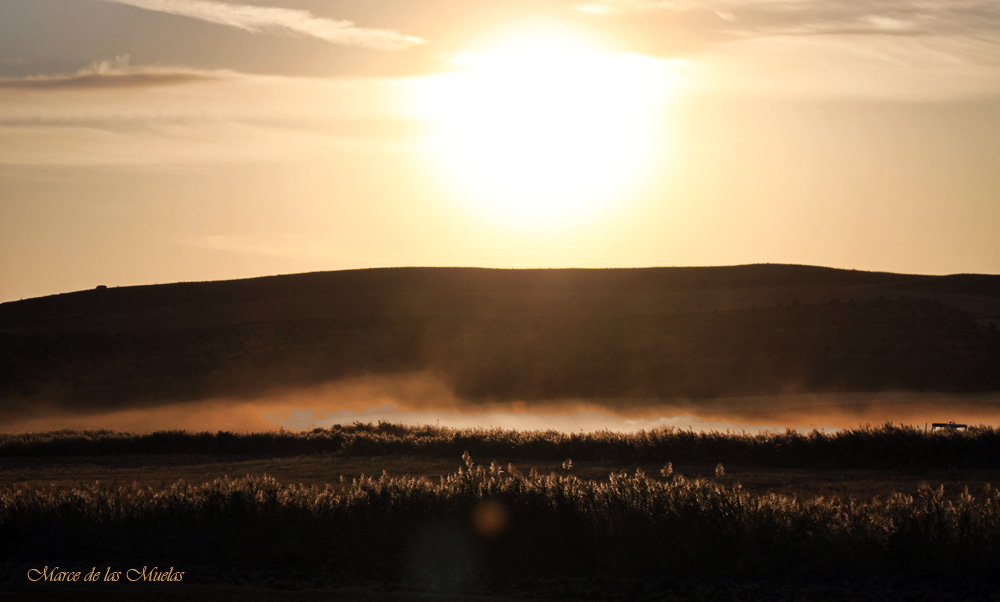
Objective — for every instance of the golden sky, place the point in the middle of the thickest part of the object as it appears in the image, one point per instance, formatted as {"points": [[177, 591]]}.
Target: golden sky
{"points": [[150, 141]]}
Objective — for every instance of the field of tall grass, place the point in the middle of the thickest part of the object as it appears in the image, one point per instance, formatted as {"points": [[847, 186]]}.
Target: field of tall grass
{"points": [[491, 524], [495, 528], [513, 521]]}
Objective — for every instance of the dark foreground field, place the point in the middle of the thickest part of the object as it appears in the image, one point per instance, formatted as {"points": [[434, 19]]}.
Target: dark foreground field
{"points": [[372, 512]]}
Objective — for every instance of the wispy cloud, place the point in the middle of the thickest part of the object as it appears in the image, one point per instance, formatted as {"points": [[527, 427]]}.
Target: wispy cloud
{"points": [[109, 74], [207, 120], [803, 17], [855, 48], [261, 19], [621, 7]]}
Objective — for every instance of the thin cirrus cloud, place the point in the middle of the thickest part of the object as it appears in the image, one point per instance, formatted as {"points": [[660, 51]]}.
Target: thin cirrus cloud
{"points": [[109, 74], [261, 19], [915, 49], [766, 17]]}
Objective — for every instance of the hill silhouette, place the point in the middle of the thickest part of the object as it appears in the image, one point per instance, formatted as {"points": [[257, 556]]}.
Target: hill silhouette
{"points": [[691, 333]]}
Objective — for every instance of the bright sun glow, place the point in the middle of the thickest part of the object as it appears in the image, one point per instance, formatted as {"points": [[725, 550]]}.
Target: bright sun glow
{"points": [[545, 130]]}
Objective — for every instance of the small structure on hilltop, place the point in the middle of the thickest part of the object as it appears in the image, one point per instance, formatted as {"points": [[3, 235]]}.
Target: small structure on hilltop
{"points": [[951, 425]]}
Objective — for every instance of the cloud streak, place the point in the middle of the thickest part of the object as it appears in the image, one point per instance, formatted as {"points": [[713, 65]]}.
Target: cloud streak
{"points": [[264, 19], [109, 74], [915, 49], [801, 17]]}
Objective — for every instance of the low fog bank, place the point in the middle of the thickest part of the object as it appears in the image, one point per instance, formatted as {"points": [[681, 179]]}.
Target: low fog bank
{"points": [[571, 421], [420, 398]]}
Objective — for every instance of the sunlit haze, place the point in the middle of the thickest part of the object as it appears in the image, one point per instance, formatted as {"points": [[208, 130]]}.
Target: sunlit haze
{"points": [[543, 130]]}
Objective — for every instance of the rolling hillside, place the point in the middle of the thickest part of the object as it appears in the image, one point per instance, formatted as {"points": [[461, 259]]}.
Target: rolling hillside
{"points": [[690, 333]]}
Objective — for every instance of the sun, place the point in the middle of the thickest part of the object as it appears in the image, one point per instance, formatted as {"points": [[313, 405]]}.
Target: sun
{"points": [[543, 128]]}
